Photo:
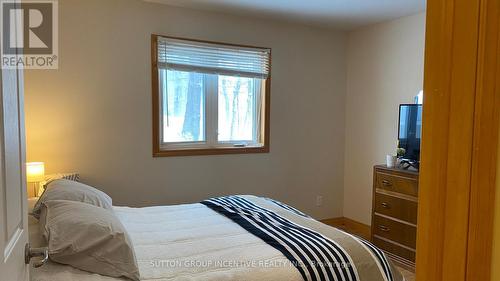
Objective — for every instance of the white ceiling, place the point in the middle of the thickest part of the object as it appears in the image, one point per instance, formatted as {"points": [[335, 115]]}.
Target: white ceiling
{"points": [[341, 14]]}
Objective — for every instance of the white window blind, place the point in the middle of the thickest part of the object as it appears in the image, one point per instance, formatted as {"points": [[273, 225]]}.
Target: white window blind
{"points": [[187, 55]]}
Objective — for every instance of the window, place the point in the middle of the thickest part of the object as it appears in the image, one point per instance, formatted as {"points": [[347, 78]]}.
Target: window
{"points": [[209, 98]]}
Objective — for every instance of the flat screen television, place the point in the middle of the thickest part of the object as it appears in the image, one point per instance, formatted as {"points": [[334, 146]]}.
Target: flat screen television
{"points": [[410, 130]]}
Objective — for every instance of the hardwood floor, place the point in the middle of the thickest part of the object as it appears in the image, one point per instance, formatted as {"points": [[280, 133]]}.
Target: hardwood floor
{"points": [[350, 226], [363, 231], [408, 275]]}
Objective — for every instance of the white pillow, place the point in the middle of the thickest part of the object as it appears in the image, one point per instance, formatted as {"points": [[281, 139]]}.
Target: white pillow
{"points": [[63, 189], [89, 238]]}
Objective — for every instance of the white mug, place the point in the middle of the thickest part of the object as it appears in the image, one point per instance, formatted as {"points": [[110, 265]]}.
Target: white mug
{"points": [[391, 161]]}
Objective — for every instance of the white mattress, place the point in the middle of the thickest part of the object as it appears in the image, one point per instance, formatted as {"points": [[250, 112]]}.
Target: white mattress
{"points": [[184, 242], [193, 242]]}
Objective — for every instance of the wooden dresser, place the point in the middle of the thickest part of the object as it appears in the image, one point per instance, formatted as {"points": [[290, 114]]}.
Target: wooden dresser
{"points": [[394, 214]]}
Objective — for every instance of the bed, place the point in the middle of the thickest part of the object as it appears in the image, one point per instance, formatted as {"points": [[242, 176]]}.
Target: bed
{"points": [[199, 242]]}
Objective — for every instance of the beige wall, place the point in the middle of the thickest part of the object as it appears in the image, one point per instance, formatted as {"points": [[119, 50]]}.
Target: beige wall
{"points": [[93, 115], [384, 69], [496, 236]]}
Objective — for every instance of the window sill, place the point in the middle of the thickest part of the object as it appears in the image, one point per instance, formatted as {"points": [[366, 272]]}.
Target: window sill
{"points": [[210, 151]]}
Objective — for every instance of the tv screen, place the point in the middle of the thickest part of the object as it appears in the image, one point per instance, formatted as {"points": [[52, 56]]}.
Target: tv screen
{"points": [[410, 130]]}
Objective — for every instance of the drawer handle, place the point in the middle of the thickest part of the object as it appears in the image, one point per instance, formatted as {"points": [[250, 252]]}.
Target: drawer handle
{"points": [[384, 228], [385, 205], [386, 183]]}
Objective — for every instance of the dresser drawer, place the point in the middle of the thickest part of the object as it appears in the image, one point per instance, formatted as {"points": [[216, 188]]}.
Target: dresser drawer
{"points": [[395, 207], [392, 248], [395, 231], [396, 183]]}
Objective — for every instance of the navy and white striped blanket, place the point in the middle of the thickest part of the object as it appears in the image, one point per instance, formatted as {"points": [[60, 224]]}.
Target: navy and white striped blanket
{"points": [[315, 256]]}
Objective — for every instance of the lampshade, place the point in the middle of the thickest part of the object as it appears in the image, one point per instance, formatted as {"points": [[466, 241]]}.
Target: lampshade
{"points": [[35, 171]]}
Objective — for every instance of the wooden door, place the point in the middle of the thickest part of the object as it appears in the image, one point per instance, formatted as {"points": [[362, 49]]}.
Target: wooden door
{"points": [[459, 140], [13, 201]]}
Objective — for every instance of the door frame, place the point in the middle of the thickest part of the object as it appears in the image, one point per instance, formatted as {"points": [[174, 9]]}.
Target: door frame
{"points": [[459, 140]]}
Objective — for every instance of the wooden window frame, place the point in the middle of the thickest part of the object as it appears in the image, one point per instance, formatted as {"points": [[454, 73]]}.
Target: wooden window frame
{"points": [[157, 149]]}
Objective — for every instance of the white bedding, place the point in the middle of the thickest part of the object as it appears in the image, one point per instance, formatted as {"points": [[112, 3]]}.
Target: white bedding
{"points": [[184, 242], [193, 242]]}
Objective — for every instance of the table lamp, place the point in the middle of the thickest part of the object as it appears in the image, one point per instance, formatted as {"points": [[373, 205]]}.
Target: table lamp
{"points": [[35, 173]]}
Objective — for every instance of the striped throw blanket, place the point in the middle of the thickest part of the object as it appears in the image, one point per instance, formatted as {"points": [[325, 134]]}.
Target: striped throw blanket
{"points": [[315, 256]]}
